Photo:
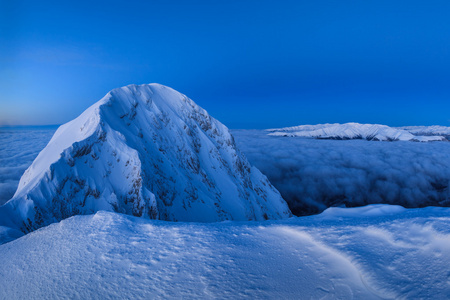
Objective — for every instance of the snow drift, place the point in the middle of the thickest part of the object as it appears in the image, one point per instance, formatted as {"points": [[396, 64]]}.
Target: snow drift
{"points": [[374, 252], [146, 151], [312, 174], [350, 131]]}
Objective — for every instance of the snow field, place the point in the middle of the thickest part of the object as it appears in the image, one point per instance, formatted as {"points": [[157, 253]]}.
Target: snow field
{"points": [[372, 252]]}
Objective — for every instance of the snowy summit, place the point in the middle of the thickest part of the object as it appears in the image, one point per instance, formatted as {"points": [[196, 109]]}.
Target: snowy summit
{"points": [[147, 151], [350, 131]]}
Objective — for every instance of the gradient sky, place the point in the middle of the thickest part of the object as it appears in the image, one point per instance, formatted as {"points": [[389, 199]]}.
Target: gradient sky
{"points": [[250, 64]]}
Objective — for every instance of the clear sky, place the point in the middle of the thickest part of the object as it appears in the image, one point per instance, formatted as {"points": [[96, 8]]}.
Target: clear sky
{"points": [[250, 64]]}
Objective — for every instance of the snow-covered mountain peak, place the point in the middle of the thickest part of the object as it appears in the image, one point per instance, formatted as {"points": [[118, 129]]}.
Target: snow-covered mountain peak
{"points": [[347, 131], [145, 150]]}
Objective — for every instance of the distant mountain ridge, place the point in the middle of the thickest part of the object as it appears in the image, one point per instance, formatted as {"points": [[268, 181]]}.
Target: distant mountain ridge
{"points": [[348, 131], [434, 130]]}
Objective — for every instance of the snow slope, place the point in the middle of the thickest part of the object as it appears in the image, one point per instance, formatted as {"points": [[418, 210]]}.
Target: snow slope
{"points": [[348, 131], [373, 252], [147, 151]]}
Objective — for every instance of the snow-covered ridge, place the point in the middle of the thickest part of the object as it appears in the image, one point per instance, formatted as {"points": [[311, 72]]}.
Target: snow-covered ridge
{"points": [[348, 131], [435, 130], [147, 151]]}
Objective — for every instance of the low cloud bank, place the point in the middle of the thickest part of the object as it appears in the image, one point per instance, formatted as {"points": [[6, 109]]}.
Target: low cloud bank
{"points": [[314, 174], [18, 149], [310, 174]]}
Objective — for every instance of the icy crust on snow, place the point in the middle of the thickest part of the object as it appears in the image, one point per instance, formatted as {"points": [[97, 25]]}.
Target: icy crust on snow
{"points": [[349, 131], [373, 252], [146, 151]]}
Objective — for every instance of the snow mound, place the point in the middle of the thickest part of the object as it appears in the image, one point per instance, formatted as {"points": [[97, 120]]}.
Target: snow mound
{"points": [[115, 256], [374, 210], [350, 131], [147, 151]]}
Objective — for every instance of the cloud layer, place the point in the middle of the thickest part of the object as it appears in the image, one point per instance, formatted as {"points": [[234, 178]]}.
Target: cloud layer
{"points": [[310, 174], [18, 149], [314, 174]]}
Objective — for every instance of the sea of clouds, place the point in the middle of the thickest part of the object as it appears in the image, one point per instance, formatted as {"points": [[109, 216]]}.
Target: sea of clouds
{"points": [[18, 148], [310, 174], [314, 174]]}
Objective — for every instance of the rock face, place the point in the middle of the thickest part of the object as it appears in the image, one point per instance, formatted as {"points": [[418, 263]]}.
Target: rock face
{"points": [[146, 151], [350, 131]]}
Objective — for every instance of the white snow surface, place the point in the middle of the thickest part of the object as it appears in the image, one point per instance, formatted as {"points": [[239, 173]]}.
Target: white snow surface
{"points": [[148, 151], [348, 131], [373, 252]]}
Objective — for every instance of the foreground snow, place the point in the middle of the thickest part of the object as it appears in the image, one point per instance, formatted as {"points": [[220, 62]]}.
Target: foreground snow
{"points": [[349, 131], [371, 252]]}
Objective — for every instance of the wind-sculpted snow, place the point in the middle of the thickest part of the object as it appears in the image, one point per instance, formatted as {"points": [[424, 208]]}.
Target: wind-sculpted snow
{"points": [[352, 131], [18, 148], [314, 174], [147, 151], [375, 252]]}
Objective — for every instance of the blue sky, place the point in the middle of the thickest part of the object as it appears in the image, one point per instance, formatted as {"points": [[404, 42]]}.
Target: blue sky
{"points": [[251, 64]]}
